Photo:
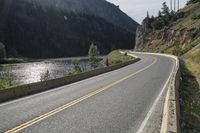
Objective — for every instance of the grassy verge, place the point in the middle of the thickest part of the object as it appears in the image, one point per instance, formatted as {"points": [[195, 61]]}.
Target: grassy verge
{"points": [[115, 57], [190, 93]]}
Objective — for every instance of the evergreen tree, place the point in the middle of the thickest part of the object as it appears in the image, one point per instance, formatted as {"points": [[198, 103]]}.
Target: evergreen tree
{"points": [[148, 14], [159, 14], [93, 56], [147, 21], [165, 9]]}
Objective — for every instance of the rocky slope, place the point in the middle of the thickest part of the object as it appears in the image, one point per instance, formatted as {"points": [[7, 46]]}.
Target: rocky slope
{"points": [[159, 35]]}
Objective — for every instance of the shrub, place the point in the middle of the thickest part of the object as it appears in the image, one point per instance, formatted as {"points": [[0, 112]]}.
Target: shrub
{"points": [[7, 79], [77, 66], [45, 76], [125, 54], [195, 16]]}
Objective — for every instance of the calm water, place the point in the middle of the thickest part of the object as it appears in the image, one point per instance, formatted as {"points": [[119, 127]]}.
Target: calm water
{"points": [[30, 72]]}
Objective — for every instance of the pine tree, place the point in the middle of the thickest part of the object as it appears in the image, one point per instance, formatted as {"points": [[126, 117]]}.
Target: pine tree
{"points": [[148, 14], [147, 21], [159, 14], [93, 56], [165, 9]]}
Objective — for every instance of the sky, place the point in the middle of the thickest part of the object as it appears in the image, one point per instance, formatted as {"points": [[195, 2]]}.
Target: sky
{"points": [[137, 9]]}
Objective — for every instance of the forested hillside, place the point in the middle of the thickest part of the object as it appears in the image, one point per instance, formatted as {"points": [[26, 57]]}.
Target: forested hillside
{"points": [[35, 30], [101, 8]]}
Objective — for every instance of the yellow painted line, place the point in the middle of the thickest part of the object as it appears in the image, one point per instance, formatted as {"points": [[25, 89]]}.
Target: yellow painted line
{"points": [[61, 108]]}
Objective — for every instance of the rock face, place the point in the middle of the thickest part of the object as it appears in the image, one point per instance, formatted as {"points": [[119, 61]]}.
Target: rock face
{"points": [[60, 28], [181, 29], [160, 41]]}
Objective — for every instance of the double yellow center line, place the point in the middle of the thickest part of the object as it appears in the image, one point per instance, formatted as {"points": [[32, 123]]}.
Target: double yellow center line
{"points": [[74, 102]]}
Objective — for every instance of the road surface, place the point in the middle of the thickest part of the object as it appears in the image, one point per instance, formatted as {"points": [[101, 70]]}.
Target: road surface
{"points": [[114, 102]]}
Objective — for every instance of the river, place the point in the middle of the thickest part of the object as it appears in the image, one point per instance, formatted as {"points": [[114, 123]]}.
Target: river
{"points": [[25, 73]]}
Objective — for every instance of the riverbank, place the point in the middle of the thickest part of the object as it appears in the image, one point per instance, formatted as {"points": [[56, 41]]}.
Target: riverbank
{"points": [[12, 60], [29, 60]]}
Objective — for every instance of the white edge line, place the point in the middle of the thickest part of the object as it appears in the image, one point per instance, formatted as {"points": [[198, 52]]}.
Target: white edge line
{"points": [[144, 122]]}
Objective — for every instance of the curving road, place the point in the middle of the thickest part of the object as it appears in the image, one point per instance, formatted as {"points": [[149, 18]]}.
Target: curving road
{"points": [[114, 102]]}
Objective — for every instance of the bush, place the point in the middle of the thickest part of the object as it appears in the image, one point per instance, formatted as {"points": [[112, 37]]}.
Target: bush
{"points": [[77, 66], [125, 54], [45, 76], [195, 16], [7, 80]]}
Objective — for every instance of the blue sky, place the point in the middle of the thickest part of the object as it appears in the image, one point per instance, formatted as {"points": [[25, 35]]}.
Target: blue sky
{"points": [[137, 9]]}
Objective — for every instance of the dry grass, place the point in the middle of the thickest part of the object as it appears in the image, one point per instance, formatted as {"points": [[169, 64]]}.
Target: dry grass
{"points": [[190, 93], [116, 57]]}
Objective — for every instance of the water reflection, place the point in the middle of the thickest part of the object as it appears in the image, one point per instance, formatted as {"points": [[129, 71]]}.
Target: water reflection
{"points": [[30, 72]]}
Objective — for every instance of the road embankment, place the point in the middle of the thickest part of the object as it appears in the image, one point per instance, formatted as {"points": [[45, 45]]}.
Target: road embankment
{"points": [[24, 90], [171, 113]]}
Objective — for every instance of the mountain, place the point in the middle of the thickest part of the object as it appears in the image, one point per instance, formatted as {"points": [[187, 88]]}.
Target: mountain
{"points": [[100, 8], [172, 33], [60, 28]]}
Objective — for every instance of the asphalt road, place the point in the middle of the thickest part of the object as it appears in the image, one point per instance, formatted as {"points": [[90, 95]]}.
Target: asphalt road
{"points": [[114, 102]]}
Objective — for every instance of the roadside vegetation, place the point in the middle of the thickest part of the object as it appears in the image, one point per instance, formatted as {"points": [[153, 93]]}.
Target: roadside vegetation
{"points": [[115, 57], [7, 79], [94, 61], [93, 54], [179, 50], [190, 93], [77, 68], [45, 76]]}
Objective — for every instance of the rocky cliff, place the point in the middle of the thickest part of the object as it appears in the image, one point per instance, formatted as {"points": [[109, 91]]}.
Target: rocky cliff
{"points": [[165, 33]]}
